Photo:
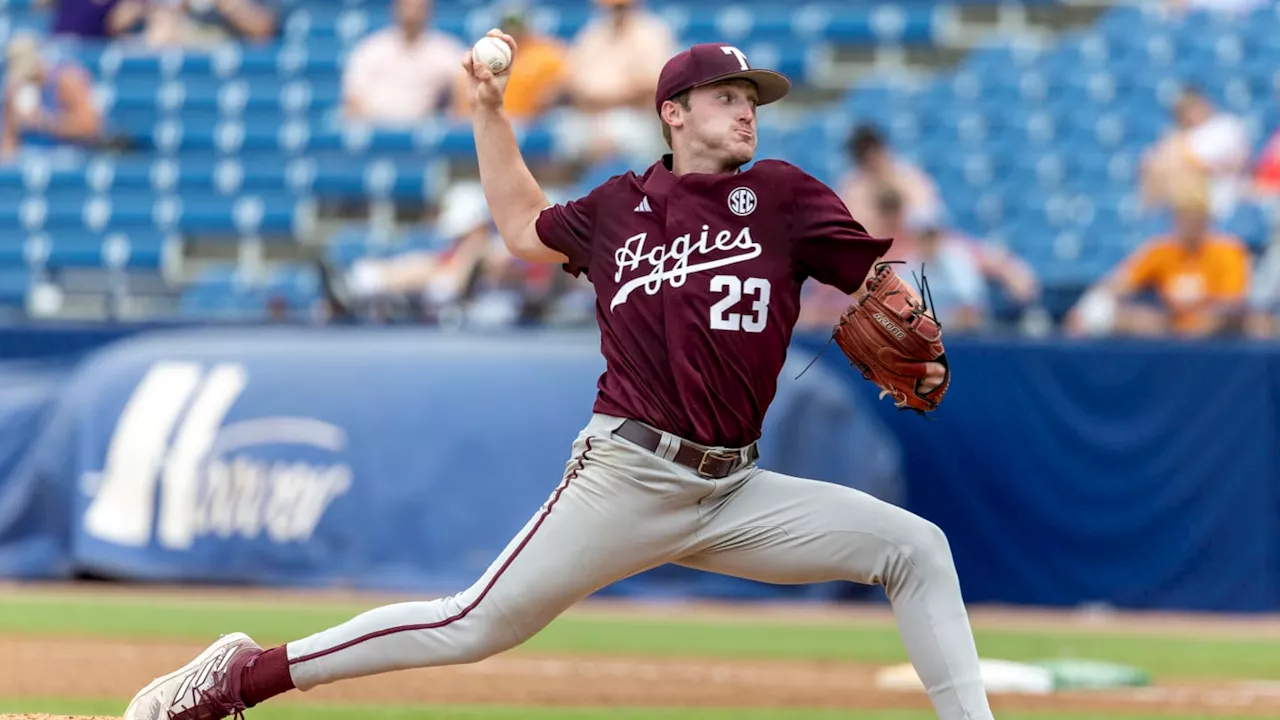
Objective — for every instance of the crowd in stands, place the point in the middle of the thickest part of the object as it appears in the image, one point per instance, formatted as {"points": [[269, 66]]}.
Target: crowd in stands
{"points": [[1195, 279]]}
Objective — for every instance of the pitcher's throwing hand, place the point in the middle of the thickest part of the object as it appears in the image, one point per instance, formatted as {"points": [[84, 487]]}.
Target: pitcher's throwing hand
{"points": [[484, 88]]}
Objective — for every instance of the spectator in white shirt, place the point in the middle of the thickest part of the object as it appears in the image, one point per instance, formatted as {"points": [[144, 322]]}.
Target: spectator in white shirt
{"points": [[957, 291], [402, 74], [1205, 144]]}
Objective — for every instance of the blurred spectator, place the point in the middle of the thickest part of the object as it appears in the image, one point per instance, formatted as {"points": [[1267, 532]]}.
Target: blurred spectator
{"points": [[1266, 172], [1204, 144], [402, 74], [46, 104], [614, 65], [539, 75], [97, 19], [1003, 268], [875, 167], [208, 23], [1264, 294], [1199, 279], [955, 291], [474, 280]]}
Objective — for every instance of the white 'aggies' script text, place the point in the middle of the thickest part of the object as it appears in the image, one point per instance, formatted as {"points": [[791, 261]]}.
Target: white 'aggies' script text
{"points": [[662, 263]]}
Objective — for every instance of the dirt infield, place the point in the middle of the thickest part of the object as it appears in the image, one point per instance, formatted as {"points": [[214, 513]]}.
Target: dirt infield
{"points": [[93, 669]]}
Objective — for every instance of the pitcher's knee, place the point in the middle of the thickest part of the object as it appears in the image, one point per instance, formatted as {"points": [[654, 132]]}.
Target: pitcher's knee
{"points": [[926, 540], [921, 549]]}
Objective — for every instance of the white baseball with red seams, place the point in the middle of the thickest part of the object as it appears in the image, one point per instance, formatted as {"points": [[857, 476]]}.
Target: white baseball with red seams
{"points": [[493, 53]]}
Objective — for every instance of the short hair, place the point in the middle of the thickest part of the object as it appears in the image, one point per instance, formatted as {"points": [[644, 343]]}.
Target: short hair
{"points": [[682, 98], [863, 140]]}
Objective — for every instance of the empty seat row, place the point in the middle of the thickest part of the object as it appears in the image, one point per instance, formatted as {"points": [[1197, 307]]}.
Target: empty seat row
{"points": [[276, 215], [299, 136], [137, 248], [408, 177]]}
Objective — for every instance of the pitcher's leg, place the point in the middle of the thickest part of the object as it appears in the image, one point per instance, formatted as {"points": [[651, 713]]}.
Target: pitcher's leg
{"points": [[617, 512], [605, 521], [779, 529], [465, 627]]}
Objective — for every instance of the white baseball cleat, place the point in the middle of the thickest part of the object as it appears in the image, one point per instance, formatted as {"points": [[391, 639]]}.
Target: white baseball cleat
{"points": [[207, 688]]}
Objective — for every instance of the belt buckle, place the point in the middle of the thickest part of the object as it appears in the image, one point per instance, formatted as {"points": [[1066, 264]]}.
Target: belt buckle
{"points": [[714, 454]]}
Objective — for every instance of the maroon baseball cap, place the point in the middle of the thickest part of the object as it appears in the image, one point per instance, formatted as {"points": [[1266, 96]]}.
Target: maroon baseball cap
{"points": [[712, 62]]}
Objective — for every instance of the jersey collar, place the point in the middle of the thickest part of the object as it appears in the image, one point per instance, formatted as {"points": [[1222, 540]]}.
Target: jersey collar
{"points": [[659, 178]]}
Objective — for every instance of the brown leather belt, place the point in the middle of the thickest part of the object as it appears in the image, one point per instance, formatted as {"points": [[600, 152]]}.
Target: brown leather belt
{"points": [[707, 462]]}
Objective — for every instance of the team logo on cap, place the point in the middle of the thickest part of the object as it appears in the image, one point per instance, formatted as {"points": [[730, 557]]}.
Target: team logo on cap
{"points": [[742, 201]]}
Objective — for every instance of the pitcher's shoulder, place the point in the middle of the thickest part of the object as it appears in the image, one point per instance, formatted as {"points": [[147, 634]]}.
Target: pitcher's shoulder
{"points": [[781, 173], [779, 168], [798, 181]]}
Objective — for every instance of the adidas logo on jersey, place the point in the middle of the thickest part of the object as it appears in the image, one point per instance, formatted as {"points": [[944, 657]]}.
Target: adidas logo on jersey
{"points": [[644, 205]]}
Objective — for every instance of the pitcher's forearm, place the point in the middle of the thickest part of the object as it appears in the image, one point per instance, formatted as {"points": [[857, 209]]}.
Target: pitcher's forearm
{"points": [[514, 196]]}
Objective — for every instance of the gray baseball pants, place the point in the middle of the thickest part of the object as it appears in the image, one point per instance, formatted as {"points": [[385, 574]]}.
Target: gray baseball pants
{"points": [[621, 510]]}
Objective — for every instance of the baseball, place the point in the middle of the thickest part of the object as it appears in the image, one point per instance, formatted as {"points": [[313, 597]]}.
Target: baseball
{"points": [[492, 52]]}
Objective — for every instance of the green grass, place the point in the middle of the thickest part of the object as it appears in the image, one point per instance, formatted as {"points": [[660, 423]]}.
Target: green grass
{"points": [[275, 623], [292, 711]]}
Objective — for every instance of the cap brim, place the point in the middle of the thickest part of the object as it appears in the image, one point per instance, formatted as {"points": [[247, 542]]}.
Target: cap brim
{"points": [[771, 86]]}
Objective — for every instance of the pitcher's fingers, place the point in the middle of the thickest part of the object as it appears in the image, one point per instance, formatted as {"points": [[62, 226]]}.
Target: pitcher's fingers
{"points": [[468, 60]]}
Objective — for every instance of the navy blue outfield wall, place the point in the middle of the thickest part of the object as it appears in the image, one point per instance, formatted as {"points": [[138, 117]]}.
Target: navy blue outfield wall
{"points": [[1140, 474]]}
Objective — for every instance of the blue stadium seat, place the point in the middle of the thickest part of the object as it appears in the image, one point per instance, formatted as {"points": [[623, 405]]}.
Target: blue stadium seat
{"points": [[15, 283], [297, 285], [17, 254], [1251, 223], [272, 214], [227, 96], [133, 250]]}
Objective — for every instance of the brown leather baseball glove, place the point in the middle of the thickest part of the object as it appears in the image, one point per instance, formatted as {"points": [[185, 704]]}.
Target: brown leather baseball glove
{"points": [[890, 335]]}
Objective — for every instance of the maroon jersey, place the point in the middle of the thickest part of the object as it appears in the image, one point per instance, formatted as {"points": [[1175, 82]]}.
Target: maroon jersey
{"points": [[697, 279]]}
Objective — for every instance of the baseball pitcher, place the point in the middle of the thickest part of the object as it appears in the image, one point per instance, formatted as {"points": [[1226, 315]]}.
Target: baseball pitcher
{"points": [[697, 264]]}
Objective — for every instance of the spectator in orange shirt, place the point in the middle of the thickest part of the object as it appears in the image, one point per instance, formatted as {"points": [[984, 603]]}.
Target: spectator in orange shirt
{"points": [[539, 75], [1200, 279]]}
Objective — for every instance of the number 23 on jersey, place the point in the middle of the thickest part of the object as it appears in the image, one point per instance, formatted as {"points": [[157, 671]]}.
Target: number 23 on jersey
{"points": [[733, 288]]}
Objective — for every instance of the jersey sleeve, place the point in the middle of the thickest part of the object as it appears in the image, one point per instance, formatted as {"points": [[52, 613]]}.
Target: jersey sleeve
{"points": [[566, 228], [828, 244]]}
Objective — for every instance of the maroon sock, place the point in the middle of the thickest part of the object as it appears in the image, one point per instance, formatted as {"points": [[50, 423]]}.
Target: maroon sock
{"points": [[265, 676]]}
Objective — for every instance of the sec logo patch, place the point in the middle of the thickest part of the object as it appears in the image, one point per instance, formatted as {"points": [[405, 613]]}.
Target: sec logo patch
{"points": [[742, 201]]}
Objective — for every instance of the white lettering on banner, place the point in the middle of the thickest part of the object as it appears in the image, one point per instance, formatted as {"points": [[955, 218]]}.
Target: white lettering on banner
{"points": [[209, 485], [663, 263], [285, 501], [124, 497]]}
